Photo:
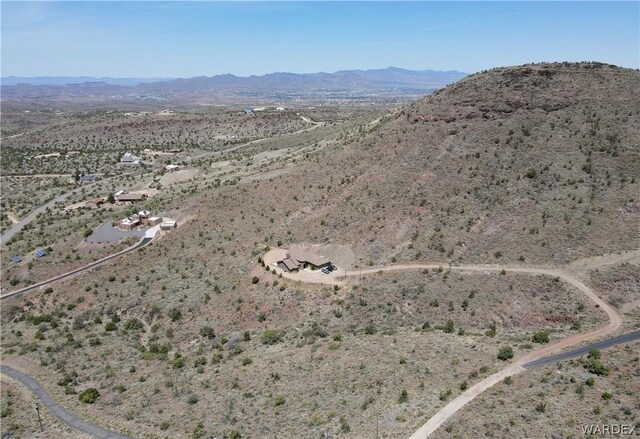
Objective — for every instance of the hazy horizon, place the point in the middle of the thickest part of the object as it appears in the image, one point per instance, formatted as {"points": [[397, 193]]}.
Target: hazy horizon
{"points": [[187, 39]]}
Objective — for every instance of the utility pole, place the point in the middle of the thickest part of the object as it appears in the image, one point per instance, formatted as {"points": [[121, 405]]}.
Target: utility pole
{"points": [[39, 420]]}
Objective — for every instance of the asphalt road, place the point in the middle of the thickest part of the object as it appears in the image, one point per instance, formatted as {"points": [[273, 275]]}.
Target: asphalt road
{"points": [[144, 241], [58, 411], [621, 339], [8, 234]]}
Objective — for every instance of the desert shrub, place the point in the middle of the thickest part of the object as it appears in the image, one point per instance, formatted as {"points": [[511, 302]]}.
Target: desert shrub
{"points": [[89, 396], [540, 337], [404, 396], [110, 326], [271, 336], [280, 400], [594, 354], [208, 332], [505, 353], [133, 324], [178, 361], [448, 327], [370, 329], [175, 314], [344, 425], [596, 367]]}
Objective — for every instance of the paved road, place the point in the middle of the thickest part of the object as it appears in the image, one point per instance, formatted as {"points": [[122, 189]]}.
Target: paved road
{"points": [[144, 241], [615, 322], [59, 411], [621, 339], [9, 233]]}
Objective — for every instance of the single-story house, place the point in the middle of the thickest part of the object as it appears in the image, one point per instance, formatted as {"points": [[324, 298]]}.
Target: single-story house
{"points": [[143, 214], [297, 259], [171, 168], [154, 220], [130, 222], [129, 159], [168, 225], [87, 178], [130, 198]]}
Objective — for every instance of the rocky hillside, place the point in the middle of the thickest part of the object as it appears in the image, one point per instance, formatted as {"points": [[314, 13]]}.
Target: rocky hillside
{"points": [[537, 164]]}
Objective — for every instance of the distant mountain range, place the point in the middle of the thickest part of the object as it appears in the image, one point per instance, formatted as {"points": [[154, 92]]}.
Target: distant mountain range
{"points": [[65, 80], [391, 81]]}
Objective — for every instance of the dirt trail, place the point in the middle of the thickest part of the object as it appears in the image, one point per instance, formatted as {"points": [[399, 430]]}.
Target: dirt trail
{"points": [[568, 274]]}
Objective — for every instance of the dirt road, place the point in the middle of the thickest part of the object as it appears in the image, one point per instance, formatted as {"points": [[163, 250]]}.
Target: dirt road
{"points": [[567, 274]]}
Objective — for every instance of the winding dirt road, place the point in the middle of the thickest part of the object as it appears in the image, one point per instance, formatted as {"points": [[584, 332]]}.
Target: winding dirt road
{"points": [[567, 274]]}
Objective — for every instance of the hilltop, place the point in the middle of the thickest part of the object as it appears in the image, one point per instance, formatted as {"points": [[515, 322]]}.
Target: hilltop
{"points": [[531, 164]]}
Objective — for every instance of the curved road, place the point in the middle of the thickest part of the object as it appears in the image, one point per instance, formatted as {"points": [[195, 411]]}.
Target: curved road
{"points": [[530, 359], [13, 230], [58, 410]]}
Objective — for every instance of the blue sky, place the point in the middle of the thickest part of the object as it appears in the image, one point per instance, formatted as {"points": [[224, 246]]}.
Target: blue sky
{"points": [[183, 39]]}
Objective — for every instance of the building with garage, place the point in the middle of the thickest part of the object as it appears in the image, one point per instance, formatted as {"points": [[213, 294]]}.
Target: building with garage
{"points": [[296, 260]]}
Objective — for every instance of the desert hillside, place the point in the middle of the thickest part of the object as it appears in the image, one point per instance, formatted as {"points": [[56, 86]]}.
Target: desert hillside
{"points": [[537, 164], [190, 336]]}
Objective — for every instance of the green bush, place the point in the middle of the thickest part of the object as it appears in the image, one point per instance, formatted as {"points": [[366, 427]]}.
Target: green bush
{"points": [[596, 367], [175, 314], [404, 396], [133, 324], [89, 396], [370, 329], [271, 336], [110, 326], [208, 332], [448, 327], [540, 337], [505, 353]]}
